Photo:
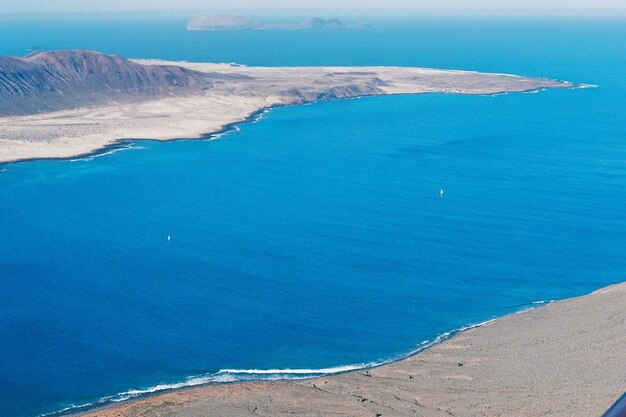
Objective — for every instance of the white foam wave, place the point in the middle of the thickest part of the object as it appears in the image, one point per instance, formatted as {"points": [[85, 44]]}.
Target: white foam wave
{"points": [[260, 115], [66, 409], [236, 127], [113, 150], [318, 371], [243, 375], [542, 302]]}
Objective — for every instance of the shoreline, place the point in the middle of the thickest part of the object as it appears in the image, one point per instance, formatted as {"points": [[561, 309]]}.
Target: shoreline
{"points": [[239, 94], [162, 389], [484, 370], [112, 401], [253, 117], [118, 144]]}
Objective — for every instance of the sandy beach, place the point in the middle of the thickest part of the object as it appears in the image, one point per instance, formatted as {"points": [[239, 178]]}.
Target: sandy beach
{"points": [[563, 359], [237, 92]]}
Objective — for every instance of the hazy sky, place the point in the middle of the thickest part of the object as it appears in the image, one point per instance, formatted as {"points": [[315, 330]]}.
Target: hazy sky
{"points": [[122, 5]]}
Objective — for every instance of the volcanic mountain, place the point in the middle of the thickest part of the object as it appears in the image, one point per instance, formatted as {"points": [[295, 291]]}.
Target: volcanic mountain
{"points": [[56, 80]]}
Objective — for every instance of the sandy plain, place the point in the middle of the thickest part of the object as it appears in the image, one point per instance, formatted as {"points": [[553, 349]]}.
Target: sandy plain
{"points": [[236, 94]]}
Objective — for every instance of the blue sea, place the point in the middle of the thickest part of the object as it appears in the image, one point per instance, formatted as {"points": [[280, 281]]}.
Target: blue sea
{"points": [[314, 239]]}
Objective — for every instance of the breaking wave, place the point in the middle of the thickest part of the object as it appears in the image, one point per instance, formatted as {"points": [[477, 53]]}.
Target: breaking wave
{"points": [[243, 375]]}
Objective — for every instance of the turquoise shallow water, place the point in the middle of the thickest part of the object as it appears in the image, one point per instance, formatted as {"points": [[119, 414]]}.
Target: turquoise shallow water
{"points": [[316, 237]]}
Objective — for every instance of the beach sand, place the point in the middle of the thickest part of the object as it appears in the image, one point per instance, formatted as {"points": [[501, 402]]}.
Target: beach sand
{"points": [[564, 359], [237, 92]]}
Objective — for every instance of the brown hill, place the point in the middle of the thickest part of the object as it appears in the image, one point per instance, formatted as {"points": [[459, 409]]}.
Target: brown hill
{"points": [[55, 80]]}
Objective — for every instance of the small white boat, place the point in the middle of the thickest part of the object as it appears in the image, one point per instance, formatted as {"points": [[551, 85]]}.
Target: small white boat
{"points": [[169, 238], [441, 192]]}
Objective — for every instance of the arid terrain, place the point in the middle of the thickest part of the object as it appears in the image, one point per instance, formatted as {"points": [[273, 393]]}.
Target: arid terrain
{"points": [[99, 99], [565, 359]]}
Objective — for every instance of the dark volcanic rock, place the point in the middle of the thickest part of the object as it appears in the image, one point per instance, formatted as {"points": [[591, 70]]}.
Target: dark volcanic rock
{"points": [[55, 80]]}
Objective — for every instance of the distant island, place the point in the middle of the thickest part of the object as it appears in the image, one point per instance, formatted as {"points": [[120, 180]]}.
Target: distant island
{"points": [[226, 22], [55, 104]]}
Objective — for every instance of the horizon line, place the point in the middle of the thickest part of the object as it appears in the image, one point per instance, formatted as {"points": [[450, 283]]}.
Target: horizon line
{"points": [[388, 12]]}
